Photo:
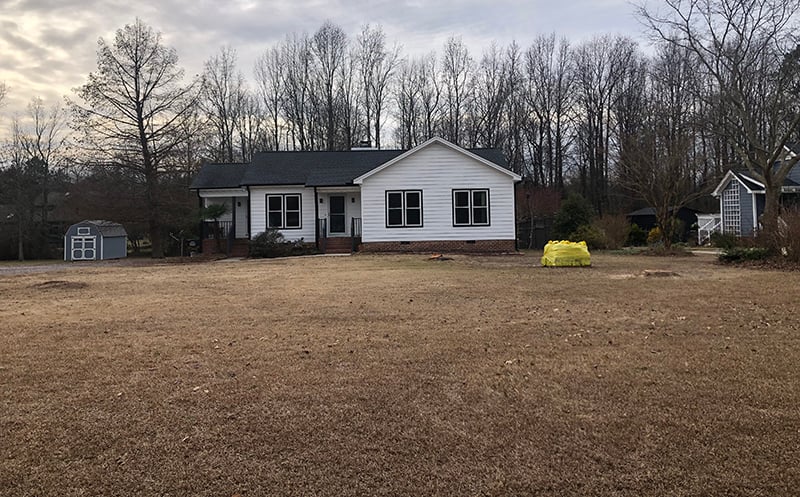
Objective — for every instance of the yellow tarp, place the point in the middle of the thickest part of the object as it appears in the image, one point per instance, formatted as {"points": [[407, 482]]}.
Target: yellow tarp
{"points": [[565, 253]]}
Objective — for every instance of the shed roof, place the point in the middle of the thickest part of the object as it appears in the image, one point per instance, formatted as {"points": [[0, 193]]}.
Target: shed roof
{"points": [[649, 211], [106, 228]]}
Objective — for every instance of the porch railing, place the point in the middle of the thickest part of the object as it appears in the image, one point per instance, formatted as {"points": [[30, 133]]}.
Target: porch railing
{"points": [[355, 232], [218, 229], [322, 234], [707, 229]]}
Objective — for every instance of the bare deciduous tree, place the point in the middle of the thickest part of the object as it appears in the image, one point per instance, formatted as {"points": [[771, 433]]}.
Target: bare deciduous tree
{"points": [[133, 112], [457, 67], [329, 46], [223, 100], [746, 48], [269, 80]]}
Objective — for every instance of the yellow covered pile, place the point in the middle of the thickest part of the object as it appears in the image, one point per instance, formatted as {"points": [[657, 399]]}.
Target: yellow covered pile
{"points": [[565, 253]]}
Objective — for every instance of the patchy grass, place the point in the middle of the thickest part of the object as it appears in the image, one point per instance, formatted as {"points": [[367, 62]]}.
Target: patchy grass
{"points": [[396, 375]]}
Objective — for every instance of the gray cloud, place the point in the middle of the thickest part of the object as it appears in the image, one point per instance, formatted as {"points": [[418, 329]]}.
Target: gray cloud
{"points": [[49, 46]]}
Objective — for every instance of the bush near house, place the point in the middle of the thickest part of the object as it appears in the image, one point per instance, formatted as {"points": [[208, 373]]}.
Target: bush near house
{"points": [[724, 241], [637, 237], [271, 243], [594, 236]]}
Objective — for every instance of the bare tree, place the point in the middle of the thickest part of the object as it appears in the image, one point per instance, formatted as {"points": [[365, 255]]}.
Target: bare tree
{"points": [[599, 71], [378, 65], [491, 92], [431, 96], [550, 80], [746, 47], [224, 95], [329, 46], [134, 108], [269, 80], [457, 67], [44, 141], [407, 97], [658, 160], [296, 57]]}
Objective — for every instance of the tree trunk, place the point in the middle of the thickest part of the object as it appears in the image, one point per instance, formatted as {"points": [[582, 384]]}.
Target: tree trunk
{"points": [[769, 220], [20, 243]]}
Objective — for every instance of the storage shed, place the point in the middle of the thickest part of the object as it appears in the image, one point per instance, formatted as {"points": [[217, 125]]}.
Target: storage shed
{"points": [[94, 241]]}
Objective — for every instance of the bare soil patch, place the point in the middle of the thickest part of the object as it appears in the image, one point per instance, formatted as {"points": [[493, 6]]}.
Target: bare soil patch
{"points": [[395, 375], [59, 285]]}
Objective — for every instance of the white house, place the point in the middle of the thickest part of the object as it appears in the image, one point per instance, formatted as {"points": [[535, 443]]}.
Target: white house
{"points": [[434, 197]]}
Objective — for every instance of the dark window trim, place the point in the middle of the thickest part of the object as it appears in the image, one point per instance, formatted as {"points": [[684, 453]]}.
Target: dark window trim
{"points": [[403, 208], [471, 223], [283, 210]]}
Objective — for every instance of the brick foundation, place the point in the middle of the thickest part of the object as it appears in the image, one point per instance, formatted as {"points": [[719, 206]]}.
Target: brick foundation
{"points": [[458, 246], [239, 247]]}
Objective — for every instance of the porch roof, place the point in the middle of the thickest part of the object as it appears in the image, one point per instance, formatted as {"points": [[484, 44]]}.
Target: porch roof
{"points": [[219, 176]]}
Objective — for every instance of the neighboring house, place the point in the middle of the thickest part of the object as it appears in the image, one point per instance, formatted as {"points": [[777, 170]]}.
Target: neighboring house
{"points": [[646, 219], [434, 197], [741, 199]]}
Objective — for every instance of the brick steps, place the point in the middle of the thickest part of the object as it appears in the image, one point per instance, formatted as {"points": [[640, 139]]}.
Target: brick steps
{"points": [[338, 245]]}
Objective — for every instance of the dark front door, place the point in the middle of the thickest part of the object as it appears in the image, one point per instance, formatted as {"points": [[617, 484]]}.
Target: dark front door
{"points": [[336, 213]]}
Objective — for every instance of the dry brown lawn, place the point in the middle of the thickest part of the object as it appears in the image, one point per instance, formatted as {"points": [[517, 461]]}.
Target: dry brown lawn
{"points": [[395, 375]]}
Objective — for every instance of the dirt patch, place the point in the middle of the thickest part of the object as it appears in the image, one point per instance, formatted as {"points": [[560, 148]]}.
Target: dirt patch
{"points": [[392, 375], [60, 285]]}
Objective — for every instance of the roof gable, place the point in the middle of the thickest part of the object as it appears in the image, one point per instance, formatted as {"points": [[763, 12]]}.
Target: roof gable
{"points": [[750, 184], [322, 168], [476, 155]]}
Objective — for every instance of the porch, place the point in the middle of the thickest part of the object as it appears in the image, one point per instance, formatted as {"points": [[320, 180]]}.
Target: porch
{"points": [[338, 225], [336, 243], [219, 237]]}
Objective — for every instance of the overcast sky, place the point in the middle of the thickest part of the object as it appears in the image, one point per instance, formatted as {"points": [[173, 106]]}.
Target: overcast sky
{"points": [[47, 47]]}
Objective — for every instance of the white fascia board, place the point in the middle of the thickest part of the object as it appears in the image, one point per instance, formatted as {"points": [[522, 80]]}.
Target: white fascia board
{"points": [[426, 144], [732, 175], [723, 183], [222, 192]]}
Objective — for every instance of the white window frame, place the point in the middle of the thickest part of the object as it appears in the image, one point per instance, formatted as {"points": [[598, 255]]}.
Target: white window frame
{"points": [[404, 208], [284, 210], [472, 207]]}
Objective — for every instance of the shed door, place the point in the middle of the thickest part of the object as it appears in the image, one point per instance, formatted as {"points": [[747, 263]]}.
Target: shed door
{"points": [[84, 248]]}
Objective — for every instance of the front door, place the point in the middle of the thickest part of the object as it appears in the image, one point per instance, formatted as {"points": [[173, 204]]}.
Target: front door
{"points": [[336, 214]]}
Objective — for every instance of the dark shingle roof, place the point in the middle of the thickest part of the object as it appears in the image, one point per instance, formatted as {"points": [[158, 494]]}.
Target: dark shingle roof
{"points": [[314, 168], [749, 182], [219, 176], [107, 228], [306, 168]]}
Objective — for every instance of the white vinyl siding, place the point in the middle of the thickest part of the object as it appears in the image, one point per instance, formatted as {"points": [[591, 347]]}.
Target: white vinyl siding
{"points": [[436, 171], [258, 211]]}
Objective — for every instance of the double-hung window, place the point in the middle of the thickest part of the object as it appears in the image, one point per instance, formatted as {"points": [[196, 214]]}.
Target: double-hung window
{"points": [[471, 207], [283, 211], [404, 209]]}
